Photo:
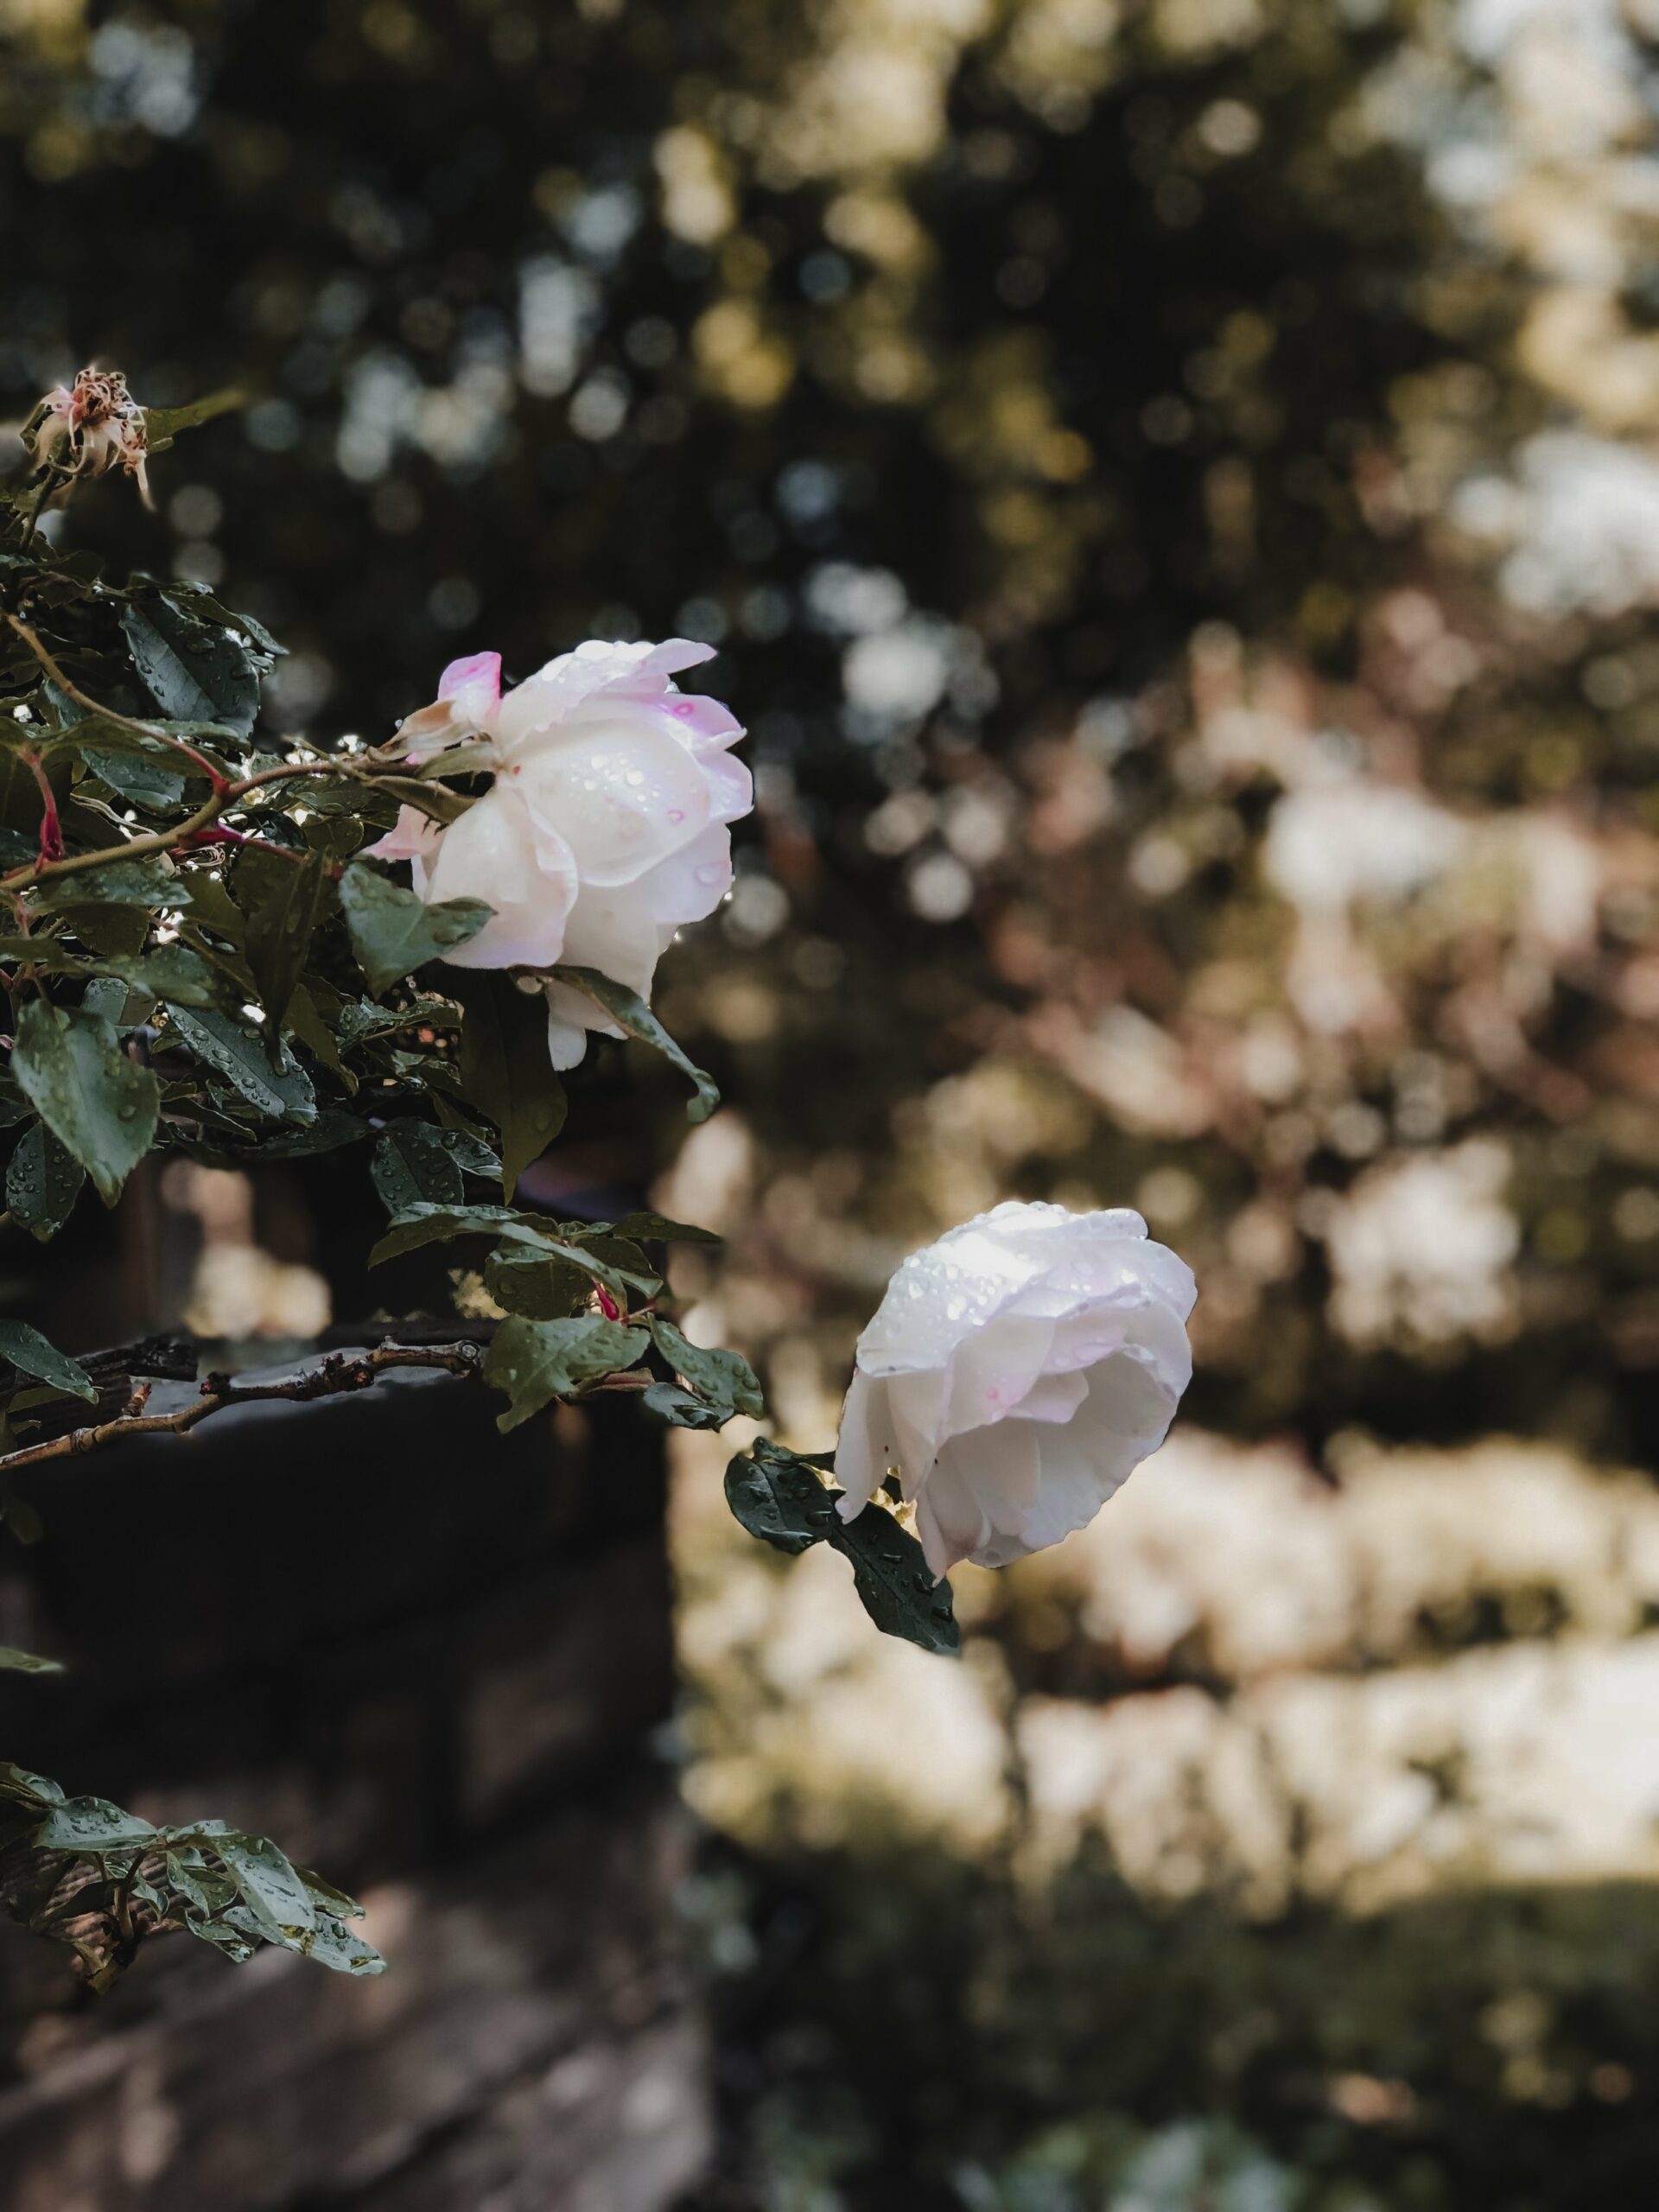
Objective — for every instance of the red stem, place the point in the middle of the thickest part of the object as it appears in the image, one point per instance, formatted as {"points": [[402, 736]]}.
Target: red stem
{"points": [[51, 827]]}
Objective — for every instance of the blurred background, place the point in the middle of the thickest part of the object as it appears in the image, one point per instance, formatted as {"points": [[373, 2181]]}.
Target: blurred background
{"points": [[1174, 485]]}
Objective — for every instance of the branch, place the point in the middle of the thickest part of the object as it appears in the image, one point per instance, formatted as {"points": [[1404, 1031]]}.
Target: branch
{"points": [[211, 769], [166, 840], [336, 1377]]}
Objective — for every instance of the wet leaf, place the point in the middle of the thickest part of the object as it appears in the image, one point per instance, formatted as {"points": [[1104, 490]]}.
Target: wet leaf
{"points": [[100, 1105], [535, 1362], [504, 1069], [628, 1009], [42, 1183], [283, 901], [779, 1496], [195, 670], [237, 1050], [723, 1380], [91, 1824], [31, 1354], [393, 932]]}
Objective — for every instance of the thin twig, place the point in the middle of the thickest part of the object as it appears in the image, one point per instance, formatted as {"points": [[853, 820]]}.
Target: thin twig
{"points": [[165, 841], [211, 769], [337, 1376]]}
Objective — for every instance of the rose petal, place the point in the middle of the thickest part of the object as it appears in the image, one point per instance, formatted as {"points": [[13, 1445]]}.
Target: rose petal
{"points": [[621, 792]]}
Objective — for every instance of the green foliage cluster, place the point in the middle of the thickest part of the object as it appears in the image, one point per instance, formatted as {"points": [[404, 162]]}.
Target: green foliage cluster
{"points": [[200, 957]]}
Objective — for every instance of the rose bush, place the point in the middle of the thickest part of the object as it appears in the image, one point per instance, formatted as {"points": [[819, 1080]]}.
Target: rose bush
{"points": [[606, 827], [1016, 1373]]}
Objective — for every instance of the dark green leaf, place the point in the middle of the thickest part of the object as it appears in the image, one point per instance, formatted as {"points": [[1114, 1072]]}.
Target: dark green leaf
{"points": [[658, 1229], [91, 1824], [778, 1495], [108, 995], [413, 1165], [147, 882], [677, 1407], [393, 931], [724, 1380], [142, 778], [31, 1354], [505, 1068], [627, 1009], [332, 1943], [435, 1225], [42, 1183], [271, 1888], [177, 973], [195, 670], [535, 1284], [100, 1105], [237, 1050], [535, 1362], [283, 901], [24, 1663], [163, 425]]}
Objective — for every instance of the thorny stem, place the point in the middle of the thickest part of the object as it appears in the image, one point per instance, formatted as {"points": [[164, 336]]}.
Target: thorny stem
{"points": [[51, 827], [166, 840], [337, 1376], [211, 769]]}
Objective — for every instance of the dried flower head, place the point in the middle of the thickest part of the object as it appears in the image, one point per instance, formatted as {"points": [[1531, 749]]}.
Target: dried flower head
{"points": [[94, 424]]}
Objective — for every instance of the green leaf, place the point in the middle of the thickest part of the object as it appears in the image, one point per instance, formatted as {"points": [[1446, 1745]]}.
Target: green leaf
{"points": [[195, 670], [237, 1050], [175, 973], [333, 1944], [100, 1105], [657, 1228], [505, 1068], [413, 1165], [677, 1407], [139, 778], [535, 1362], [283, 901], [723, 1380], [91, 1824], [429, 1224], [393, 932], [271, 1888], [13, 1661], [31, 1354], [630, 1010], [163, 424], [148, 882], [42, 1183], [779, 1496], [535, 1284], [422, 1223]]}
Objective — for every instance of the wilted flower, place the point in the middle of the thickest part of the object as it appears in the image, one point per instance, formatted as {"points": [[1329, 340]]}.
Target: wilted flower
{"points": [[90, 426], [1015, 1374], [604, 829]]}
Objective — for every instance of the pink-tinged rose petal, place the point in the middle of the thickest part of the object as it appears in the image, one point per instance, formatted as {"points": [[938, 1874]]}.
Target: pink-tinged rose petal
{"points": [[604, 831], [412, 837], [473, 688]]}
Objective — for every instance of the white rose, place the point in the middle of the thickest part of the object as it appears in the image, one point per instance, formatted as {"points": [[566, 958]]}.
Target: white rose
{"points": [[1016, 1373], [604, 829]]}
